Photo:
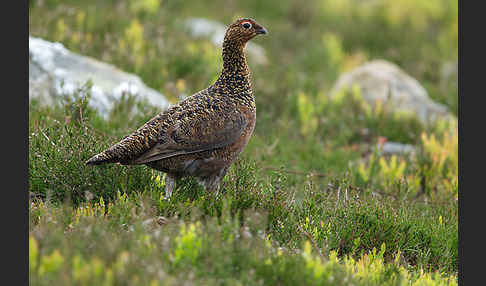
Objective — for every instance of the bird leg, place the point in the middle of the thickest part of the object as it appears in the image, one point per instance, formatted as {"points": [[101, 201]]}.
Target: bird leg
{"points": [[169, 186], [212, 183]]}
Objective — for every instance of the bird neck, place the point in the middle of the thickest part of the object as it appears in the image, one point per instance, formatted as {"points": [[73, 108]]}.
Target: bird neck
{"points": [[235, 73]]}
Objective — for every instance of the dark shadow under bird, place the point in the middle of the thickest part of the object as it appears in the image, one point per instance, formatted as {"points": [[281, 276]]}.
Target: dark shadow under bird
{"points": [[202, 135]]}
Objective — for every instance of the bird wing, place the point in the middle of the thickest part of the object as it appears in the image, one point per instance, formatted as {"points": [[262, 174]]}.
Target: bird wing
{"points": [[194, 134]]}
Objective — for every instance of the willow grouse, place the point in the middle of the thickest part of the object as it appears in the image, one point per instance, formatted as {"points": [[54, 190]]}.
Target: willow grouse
{"points": [[203, 134]]}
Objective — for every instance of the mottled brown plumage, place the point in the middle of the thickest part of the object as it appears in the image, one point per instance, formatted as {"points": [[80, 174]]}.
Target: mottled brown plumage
{"points": [[203, 134]]}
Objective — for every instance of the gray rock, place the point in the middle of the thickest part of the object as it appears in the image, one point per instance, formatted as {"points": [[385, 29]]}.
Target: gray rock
{"points": [[382, 80], [200, 27], [56, 71], [390, 148]]}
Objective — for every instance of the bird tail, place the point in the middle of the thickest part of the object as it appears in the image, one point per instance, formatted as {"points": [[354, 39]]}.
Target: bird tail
{"points": [[122, 152], [102, 158]]}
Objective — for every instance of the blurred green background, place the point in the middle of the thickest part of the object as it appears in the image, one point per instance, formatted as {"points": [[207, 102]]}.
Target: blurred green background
{"points": [[309, 45]]}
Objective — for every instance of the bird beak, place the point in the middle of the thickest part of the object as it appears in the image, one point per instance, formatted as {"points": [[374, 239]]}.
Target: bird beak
{"points": [[262, 31]]}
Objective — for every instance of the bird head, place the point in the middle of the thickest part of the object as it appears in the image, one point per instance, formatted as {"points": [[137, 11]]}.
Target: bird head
{"points": [[243, 30]]}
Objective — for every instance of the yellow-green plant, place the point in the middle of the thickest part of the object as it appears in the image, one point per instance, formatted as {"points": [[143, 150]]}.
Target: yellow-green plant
{"points": [[92, 271], [334, 51], [392, 169], [315, 264], [367, 170], [90, 210], [439, 161], [371, 269], [415, 12], [61, 30], [33, 255], [148, 6], [133, 43], [51, 264], [188, 244], [307, 114], [383, 171]]}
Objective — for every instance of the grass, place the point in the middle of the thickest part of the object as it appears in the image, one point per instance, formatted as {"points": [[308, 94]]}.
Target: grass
{"points": [[195, 248], [342, 219], [311, 201]]}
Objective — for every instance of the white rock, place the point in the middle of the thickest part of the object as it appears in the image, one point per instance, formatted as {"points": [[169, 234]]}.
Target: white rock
{"points": [[54, 71], [200, 27], [382, 80]]}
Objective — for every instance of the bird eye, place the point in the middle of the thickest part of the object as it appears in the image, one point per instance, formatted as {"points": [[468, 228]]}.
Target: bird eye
{"points": [[246, 25]]}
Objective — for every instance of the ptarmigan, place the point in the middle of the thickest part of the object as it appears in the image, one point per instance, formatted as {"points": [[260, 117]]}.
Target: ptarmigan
{"points": [[202, 135]]}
